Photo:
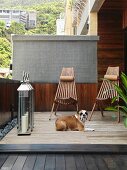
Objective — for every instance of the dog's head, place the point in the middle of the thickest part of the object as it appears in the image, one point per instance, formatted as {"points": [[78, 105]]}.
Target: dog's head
{"points": [[83, 115]]}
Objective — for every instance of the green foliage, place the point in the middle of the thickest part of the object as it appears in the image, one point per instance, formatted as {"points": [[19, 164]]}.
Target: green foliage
{"points": [[122, 95], [15, 3], [16, 28], [2, 29], [5, 52], [46, 17], [47, 13]]}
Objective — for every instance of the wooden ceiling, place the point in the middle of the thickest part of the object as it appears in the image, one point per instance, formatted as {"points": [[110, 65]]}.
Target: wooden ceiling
{"points": [[115, 4]]}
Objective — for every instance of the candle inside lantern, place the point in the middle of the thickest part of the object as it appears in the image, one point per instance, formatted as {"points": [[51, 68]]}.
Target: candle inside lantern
{"points": [[26, 120], [24, 124]]}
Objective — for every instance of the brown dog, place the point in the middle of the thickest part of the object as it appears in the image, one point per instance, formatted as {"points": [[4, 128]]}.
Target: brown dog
{"points": [[74, 122]]}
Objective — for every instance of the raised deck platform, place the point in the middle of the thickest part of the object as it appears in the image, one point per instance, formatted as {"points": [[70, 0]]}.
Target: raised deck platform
{"points": [[107, 131]]}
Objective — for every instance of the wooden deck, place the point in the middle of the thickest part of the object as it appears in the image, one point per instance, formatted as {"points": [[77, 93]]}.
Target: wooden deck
{"points": [[107, 131], [63, 162]]}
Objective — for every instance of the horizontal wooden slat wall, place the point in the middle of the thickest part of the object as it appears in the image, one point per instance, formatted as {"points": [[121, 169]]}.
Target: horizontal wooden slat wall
{"points": [[45, 93], [111, 43], [8, 99]]}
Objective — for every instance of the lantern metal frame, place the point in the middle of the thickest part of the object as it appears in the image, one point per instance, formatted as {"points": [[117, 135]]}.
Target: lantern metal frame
{"points": [[25, 120]]}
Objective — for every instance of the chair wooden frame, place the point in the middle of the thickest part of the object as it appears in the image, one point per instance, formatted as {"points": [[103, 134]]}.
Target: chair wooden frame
{"points": [[107, 91], [66, 93]]}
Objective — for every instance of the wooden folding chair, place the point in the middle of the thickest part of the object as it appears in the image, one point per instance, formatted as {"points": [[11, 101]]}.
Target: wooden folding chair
{"points": [[107, 91], [66, 91]]}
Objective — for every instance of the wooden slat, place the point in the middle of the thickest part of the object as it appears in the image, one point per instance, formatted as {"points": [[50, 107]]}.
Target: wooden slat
{"points": [[29, 163], [111, 43], [3, 158], [60, 162], [40, 162], [45, 94], [110, 162], [19, 163], [9, 162], [115, 4], [66, 89], [100, 162], [90, 162], [80, 163], [50, 162], [107, 88], [121, 161], [70, 162], [8, 97]]}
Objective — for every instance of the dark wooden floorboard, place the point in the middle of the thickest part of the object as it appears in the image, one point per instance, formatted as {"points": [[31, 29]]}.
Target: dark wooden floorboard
{"points": [[3, 158], [80, 163], [75, 161], [50, 162], [90, 162], [70, 162], [60, 162], [29, 163], [100, 163], [19, 163], [8, 164], [110, 162], [40, 162], [121, 161]]}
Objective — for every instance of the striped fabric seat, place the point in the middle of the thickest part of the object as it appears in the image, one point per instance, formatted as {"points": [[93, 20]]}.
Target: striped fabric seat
{"points": [[66, 91], [107, 91]]}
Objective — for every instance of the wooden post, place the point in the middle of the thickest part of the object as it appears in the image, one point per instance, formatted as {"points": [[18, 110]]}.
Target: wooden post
{"points": [[68, 18], [93, 23]]}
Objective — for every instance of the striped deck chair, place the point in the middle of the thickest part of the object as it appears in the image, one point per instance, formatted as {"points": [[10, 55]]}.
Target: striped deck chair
{"points": [[66, 91], [107, 91]]}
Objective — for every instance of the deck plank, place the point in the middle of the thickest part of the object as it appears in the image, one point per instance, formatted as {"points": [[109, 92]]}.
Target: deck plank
{"points": [[121, 161], [29, 163], [8, 164], [40, 162], [70, 162], [60, 162], [110, 162], [3, 158], [19, 163], [50, 162], [80, 163], [100, 162], [90, 162]]}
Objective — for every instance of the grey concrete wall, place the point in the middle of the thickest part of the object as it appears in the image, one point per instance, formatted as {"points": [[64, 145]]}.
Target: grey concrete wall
{"points": [[44, 56]]}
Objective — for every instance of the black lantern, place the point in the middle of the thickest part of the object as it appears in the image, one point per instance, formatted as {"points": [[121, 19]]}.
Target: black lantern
{"points": [[25, 107]]}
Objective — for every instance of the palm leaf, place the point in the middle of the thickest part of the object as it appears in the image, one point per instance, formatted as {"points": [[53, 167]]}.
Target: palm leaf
{"points": [[121, 93], [111, 108], [124, 81], [114, 99]]}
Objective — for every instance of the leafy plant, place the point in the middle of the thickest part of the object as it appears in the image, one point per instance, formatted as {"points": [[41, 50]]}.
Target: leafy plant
{"points": [[16, 28], [122, 95], [2, 29], [5, 52]]}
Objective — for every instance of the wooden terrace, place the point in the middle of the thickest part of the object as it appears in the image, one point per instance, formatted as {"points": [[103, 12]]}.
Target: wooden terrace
{"points": [[47, 149], [107, 131]]}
